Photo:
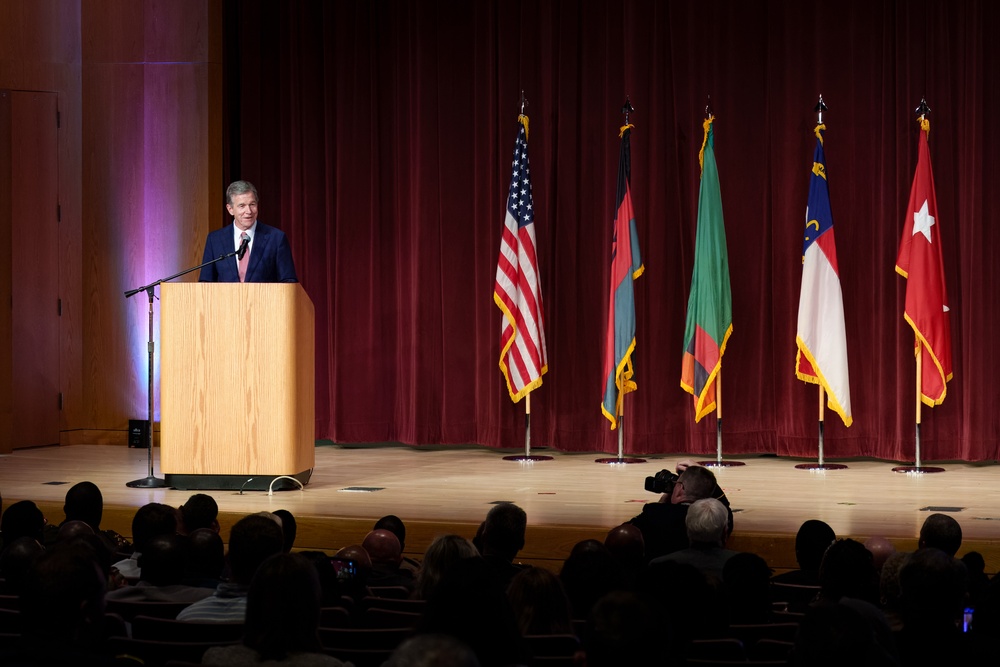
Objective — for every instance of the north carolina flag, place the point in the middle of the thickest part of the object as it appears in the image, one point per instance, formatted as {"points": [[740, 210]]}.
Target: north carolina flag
{"points": [[518, 289], [626, 266], [821, 334], [710, 305], [920, 263]]}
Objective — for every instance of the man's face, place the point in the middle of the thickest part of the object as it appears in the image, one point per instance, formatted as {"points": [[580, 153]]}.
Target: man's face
{"points": [[244, 210]]}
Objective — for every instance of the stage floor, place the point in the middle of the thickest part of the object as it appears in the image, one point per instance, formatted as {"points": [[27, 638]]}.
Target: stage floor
{"points": [[450, 489]]}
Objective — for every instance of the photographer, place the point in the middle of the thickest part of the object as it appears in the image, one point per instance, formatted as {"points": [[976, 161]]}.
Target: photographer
{"points": [[662, 522]]}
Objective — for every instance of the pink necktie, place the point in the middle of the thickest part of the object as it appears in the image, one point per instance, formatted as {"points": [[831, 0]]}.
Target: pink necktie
{"points": [[246, 258]]}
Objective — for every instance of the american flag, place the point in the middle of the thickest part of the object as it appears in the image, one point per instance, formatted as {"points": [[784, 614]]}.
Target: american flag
{"points": [[518, 290]]}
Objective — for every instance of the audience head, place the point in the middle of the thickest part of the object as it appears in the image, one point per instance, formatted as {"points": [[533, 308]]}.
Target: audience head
{"points": [[833, 635], [151, 520], [941, 531], [383, 548], [695, 483], [358, 554], [589, 573], [441, 555], [625, 542], [432, 651], [70, 530], [84, 502], [707, 522], [932, 588], [540, 603], [283, 608], [848, 570], [289, 528], [880, 549], [16, 560], [22, 519], [206, 555], [394, 525], [200, 511], [470, 604], [811, 542], [62, 602], [504, 530], [621, 631], [162, 561], [746, 579], [888, 583], [252, 540]]}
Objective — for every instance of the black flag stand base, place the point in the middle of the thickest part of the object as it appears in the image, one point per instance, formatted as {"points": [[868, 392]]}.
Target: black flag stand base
{"points": [[527, 456], [147, 483], [621, 458], [821, 466]]}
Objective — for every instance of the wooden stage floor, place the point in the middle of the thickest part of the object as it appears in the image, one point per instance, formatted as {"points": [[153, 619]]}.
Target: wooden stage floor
{"points": [[570, 498]]}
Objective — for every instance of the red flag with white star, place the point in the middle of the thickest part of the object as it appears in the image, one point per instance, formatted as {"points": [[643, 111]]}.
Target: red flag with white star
{"points": [[920, 262]]}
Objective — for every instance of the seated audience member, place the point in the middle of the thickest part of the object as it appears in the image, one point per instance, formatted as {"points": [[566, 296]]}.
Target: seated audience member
{"points": [[589, 573], [353, 584], [395, 525], [811, 542], [540, 603], [622, 631], [282, 617], [162, 574], [662, 522], [834, 635], [880, 549], [62, 609], [503, 536], [70, 530], [252, 540], [432, 651], [941, 531], [985, 626], [22, 519], [470, 604], [848, 570], [888, 590], [707, 524], [199, 511], [205, 558], [932, 595], [978, 580], [626, 545], [85, 502], [441, 555], [150, 520], [746, 580], [699, 613], [15, 562], [386, 556], [289, 528]]}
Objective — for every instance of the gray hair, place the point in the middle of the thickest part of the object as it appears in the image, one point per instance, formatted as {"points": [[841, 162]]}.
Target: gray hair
{"points": [[237, 188], [707, 521]]}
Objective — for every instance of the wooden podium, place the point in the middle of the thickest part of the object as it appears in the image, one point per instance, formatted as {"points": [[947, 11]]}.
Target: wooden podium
{"points": [[237, 387]]}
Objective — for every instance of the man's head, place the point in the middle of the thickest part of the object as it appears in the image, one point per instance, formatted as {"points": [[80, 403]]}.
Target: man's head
{"points": [[394, 525], [206, 555], [707, 522], [162, 561], [241, 202], [383, 548], [200, 511], [941, 532], [84, 502], [811, 542], [289, 528], [503, 531], [151, 520], [625, 542], [252, 540], [695, 483], [22, 519]]}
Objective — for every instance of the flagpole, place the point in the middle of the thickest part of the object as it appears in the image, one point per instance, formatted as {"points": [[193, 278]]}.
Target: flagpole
{"points": [[719, 462], [527, 456], [820, 465], [627, 109], [923, 109]]}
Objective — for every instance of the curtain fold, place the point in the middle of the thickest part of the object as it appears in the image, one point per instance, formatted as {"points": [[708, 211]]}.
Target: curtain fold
{"points": [[378, 134]]}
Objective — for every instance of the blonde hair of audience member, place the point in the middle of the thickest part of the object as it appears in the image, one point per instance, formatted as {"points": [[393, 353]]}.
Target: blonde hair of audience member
{"points": [[440, 556]]}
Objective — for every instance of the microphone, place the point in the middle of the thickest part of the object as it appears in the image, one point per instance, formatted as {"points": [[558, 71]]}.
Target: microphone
{"points": [[242, 250]]}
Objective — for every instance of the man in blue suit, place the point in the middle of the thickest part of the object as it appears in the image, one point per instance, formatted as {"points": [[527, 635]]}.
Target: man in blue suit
{"points": [[267, 258]]}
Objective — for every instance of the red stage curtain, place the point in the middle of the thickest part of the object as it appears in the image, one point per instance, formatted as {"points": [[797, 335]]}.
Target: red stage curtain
{"points": [[379, 134]]}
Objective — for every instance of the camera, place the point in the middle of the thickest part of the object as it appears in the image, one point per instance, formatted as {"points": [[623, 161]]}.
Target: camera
{"points": [[661, 482]]}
